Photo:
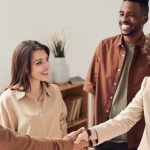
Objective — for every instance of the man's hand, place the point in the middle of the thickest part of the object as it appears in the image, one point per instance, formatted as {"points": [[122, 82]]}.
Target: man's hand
{"points": [[80, 145], [81, 137], [73, 136]]}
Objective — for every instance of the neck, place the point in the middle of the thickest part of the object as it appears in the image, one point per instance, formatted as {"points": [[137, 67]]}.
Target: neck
{"points": [[36, 90], [132, 39], [35, 86]]}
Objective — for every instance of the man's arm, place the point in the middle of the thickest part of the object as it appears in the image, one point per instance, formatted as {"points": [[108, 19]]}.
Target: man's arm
{"points": [[14, 141]]}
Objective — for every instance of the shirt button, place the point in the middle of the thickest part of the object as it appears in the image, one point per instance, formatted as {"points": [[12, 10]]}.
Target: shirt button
{"points": [[111, 97], [122, 55], [119, 70], [107, 110], [115, 83]]}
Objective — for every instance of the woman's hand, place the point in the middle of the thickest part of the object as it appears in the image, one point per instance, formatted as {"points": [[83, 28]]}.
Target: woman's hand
{"points": [[73, 136], [81, 137]]}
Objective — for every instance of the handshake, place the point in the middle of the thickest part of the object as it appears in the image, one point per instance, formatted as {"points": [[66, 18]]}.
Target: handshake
{"points": [[80, 138]]}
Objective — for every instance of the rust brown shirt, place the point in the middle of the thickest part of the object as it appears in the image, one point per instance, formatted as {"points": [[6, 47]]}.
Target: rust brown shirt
{"points": [[104, 74]]}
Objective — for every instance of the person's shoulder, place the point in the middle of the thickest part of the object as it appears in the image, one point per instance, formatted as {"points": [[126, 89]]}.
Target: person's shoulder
{"points": [[8, 94], [53, 87], [146, 83], [147, 80], [54, 90], [109, 42], [112, 38]]}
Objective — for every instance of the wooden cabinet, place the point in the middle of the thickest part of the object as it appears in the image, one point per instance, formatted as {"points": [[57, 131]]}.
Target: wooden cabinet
{"points": [[70, 90]]}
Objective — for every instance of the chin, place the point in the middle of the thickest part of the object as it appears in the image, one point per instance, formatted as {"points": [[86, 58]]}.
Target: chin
{"points": [[45, 79], [124, 34], [127, 33]]}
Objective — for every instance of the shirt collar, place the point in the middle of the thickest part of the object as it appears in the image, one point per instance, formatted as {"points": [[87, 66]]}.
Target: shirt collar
{"points": [[20, 94], [139, 43], [45, 88]]}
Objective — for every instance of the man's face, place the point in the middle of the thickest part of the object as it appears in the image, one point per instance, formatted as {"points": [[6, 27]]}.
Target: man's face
{"points": [[131, 20]]}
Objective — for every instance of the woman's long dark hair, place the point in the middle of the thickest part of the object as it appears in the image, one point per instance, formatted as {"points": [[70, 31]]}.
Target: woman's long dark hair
{"points": [[21, 64]]}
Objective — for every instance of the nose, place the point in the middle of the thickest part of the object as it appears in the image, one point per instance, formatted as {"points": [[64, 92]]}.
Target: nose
{"points": [[125, 18], [46, 65]]}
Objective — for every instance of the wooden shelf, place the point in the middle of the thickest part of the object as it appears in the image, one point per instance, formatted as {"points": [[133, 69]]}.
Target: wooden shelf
{"points": [[71, 90], [77, 122], [67, 86]]}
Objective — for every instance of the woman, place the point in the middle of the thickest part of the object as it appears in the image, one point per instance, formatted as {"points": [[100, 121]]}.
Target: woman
{"points": [[124, 121], [31, 105]]}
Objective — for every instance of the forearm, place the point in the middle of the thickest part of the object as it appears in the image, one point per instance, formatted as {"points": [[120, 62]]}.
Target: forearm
{"points": [[64, 128], [15, 141], [118, 125], [123, 122]]}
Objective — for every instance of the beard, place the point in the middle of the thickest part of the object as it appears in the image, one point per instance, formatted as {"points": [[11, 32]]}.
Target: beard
{"points": [[131, 33]]}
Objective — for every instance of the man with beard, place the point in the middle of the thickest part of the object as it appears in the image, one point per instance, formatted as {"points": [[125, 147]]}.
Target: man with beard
{"points": [[117, 70]]}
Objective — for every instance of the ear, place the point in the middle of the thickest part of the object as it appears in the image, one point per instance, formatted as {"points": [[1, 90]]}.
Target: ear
{"points": [[145, 19]]}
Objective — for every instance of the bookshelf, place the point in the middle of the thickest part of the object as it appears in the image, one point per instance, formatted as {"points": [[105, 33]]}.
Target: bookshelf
{"points": [[76, 90]]}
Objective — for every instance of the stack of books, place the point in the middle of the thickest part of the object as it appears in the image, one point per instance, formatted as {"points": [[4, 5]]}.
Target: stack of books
{"points": [[76, 80], [73, 108]]}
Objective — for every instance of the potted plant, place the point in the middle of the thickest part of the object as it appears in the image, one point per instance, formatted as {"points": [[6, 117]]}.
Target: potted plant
{"points": [[58, 45], [59, 69]]}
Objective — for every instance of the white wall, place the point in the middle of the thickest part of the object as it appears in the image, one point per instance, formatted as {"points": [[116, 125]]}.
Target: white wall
{"points": [[86, 22]]}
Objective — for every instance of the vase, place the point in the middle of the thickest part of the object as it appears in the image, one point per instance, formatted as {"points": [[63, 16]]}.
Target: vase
{"points": [[60, 71]]}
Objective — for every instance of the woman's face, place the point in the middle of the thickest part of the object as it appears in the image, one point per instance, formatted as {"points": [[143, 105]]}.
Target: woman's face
{"points": [[39, 66]]}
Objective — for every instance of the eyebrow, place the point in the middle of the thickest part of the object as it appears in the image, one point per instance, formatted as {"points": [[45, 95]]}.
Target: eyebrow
{"points": [[130, 11], [40, 59], [37, 60]]}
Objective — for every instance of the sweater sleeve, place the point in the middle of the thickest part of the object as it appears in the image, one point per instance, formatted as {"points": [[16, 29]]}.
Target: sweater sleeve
{"points": [[92, 75], [124, 121], [15, 141], [7, 115]]}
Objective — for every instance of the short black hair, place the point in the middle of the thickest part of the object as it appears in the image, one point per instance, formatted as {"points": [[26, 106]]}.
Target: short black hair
{"points": [[143, 4]]}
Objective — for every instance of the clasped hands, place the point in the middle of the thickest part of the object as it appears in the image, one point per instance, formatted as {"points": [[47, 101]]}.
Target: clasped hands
{"points": [[80, 139]]}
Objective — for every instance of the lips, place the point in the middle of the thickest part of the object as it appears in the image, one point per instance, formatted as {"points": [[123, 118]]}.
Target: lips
{"points": [[125, 26], [45, 73]]}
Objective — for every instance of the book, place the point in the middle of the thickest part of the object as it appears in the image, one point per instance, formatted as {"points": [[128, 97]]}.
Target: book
{"points": [[76, 80], [79, 108], [73, 108], [70, 103], [76, 108]]}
